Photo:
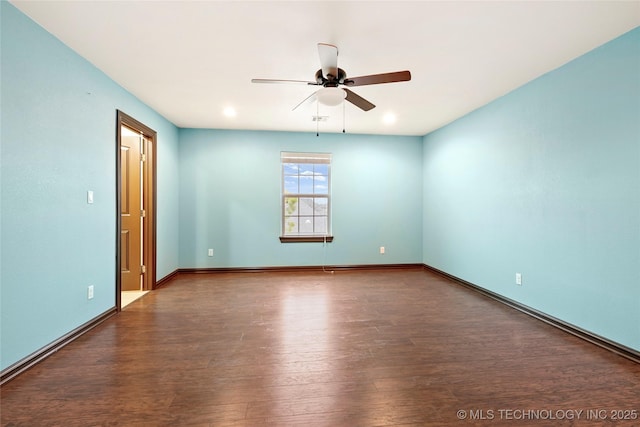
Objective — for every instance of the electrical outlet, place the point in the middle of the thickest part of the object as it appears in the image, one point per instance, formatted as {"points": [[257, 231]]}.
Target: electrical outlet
{"points": [[90, 292], [210, 253], [518, 279], [381, 250]]}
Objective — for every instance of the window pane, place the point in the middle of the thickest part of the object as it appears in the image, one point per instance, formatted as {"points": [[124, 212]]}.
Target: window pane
{"points": [[321, 169], [290, 206], [306, 184], [321, 206], [320, 185], [291, 184], [306, 206], [291, 225], [290, 168], [321, 179], [305, 168], [320, 225], [306, 224]]}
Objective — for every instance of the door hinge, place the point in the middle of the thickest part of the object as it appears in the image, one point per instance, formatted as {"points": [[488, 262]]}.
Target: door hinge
{"points": [[143, 269], [143, 213], [143, 157]]}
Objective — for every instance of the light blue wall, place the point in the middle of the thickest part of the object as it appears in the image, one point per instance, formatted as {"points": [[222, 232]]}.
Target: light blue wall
{"points": [[230, 199], [546, 182], [58, 141]]}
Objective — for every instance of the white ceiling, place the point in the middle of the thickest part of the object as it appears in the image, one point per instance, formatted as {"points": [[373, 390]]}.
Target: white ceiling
{"points": [[189, 60]]}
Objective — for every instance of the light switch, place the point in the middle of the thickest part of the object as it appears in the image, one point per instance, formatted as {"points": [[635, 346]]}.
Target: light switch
{"points": [[90, 197]]}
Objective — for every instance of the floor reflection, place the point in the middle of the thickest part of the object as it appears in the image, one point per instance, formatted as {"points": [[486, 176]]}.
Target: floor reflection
{"points": [[305, 351], [305, 320]]}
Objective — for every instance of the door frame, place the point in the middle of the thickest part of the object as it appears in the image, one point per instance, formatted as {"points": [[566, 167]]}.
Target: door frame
{"points": [[148, 202]]}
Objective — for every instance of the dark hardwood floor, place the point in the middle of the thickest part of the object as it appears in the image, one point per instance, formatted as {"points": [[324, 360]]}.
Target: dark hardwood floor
{"points": [[354, 348]]}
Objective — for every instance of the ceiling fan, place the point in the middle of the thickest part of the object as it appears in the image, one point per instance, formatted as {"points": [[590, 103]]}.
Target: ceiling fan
{"points": [[330, 77]]}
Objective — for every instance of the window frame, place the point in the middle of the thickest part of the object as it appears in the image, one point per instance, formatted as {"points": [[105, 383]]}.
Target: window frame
{"points": [[304, 158]]}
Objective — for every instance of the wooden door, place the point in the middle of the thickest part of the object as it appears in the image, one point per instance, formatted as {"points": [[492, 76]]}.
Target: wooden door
{"points": [[130, 210]]}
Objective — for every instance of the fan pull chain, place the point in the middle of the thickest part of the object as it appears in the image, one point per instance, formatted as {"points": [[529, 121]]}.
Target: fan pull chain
{"points": [[317, 118], [343, 107]]}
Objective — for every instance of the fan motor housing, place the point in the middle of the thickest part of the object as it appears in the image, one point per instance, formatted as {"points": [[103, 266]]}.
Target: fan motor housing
{"points": [[333, 82]]}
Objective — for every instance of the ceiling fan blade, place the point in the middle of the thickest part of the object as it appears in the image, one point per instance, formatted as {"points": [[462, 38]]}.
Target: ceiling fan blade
{"points": [[328, 60], [358, 101], [304, 82], [308, 99], [374, 79]]}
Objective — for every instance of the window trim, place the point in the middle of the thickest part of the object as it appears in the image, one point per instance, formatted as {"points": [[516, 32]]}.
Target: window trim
{"points": [[311, 158]]}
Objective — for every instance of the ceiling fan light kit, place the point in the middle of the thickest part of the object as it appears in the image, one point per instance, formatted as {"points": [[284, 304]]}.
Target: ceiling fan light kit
{"points": [[331, 96]]}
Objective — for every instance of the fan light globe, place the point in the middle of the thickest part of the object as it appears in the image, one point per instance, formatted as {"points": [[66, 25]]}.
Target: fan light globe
{"points": [[331, 96]]}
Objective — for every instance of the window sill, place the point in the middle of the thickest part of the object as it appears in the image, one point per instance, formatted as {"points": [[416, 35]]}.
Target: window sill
{"points": [[306, 239]]}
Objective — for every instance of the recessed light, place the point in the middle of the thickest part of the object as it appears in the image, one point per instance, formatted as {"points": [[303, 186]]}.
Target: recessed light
{"points": [[389, 119], [229, 112]]}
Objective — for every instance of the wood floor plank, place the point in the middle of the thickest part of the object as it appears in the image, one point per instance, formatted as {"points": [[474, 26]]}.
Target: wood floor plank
{"points": [[355, 348]]}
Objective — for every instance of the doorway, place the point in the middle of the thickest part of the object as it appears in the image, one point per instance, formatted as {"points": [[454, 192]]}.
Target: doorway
{"points": [[136, 210]]}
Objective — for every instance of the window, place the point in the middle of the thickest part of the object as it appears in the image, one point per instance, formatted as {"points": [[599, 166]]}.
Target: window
{"points": [[306, 197]]}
